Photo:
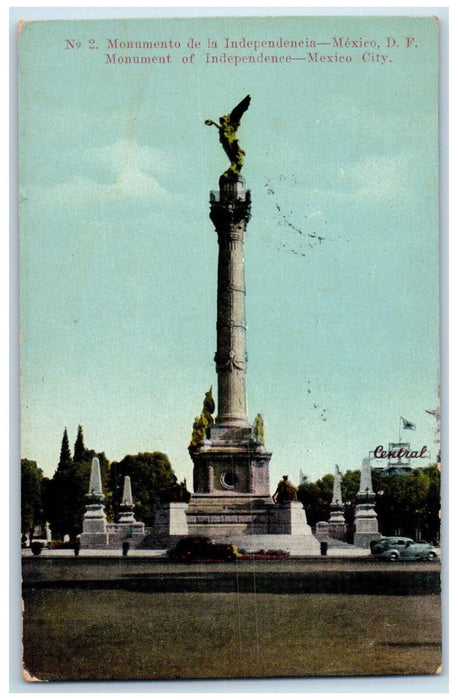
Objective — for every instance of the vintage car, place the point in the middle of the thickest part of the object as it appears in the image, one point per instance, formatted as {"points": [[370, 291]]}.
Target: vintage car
{"points": [[202, 549], [394, 548]]}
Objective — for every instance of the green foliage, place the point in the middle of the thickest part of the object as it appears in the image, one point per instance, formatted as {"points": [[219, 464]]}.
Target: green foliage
{"points": [[199, 431], [409, 504], [203, 423], [350, 487], [62, 500], [151, 474], [31, 496], [65, 454], [316, 497], [79, 450], [65, 495], [406, 504]]}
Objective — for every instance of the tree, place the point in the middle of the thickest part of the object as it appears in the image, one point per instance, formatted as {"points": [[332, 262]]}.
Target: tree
{"points": [[316, 497], [31, 496], [430, 517], [79, 452], [409, 504], [65, 454], [151, 476], [350, 487], [65, 495], [406, 504]]}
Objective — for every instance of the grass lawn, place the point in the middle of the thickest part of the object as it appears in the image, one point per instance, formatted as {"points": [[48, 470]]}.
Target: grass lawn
{"points": [[72, 634]]}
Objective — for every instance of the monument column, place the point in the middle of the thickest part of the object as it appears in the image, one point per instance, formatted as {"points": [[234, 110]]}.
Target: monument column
{"points": [[230, 213], [231, 464], [230, 459]]}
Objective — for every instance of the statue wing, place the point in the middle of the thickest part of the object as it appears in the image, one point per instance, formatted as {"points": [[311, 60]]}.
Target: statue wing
{"points": [[238, 111]]}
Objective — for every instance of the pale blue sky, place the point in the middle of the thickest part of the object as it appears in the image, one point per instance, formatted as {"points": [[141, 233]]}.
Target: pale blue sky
{"points": [[118, 255]]}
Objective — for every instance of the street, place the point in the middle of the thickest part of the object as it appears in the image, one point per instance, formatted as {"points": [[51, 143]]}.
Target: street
{"points": [[101, 619]]}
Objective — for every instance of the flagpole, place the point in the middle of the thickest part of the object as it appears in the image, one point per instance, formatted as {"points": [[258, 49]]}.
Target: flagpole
{"points": [[400, 419]]}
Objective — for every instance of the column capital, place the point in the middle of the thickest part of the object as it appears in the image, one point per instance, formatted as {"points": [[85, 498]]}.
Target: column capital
{"points": [[227, 215]]}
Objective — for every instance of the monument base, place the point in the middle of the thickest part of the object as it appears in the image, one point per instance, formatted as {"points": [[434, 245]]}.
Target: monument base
{"points": [[94, 540], [218, 516], [338, 531], [252, 523], [366, 525], [94, 535], [294, 545], [134, 533], [337, 527], [364, 539]]}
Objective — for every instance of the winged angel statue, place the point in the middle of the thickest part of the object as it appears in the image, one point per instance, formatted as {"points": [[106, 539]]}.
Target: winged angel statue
{"points": [[227, 128]]}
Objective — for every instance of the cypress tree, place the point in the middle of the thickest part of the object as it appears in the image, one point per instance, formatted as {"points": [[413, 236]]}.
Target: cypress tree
{"points": [[79, 451], [65, 454]]}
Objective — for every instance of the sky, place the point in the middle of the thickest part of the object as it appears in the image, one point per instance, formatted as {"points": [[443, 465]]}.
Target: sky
{"points": [[118, 256]]}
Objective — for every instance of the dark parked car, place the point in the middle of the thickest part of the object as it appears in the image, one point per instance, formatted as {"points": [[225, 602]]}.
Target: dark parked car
{"points": [[202, 548], [394, 548]]}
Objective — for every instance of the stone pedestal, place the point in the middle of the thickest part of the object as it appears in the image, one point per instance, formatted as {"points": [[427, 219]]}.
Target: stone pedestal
{"points": [[171, 520], [288, 519], [322, 530], [337, 526], [134, 533], [366, 525], [231, 463], [170, 525]]}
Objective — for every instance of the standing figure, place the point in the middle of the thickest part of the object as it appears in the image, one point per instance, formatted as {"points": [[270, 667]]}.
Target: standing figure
{"points": [[285, 492], [258, 428]]}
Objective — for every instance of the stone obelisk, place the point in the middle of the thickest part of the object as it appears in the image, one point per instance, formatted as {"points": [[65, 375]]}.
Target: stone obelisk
{"points": [[126, 508], [127, 525], [337, 527], [95, 522], [366, 523]]}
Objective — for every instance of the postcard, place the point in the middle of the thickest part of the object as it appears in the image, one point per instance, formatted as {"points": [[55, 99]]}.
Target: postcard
{"points": [[229, 318]]}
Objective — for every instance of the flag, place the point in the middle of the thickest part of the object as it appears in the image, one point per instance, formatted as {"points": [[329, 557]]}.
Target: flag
{"points": [[407, 425]]}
